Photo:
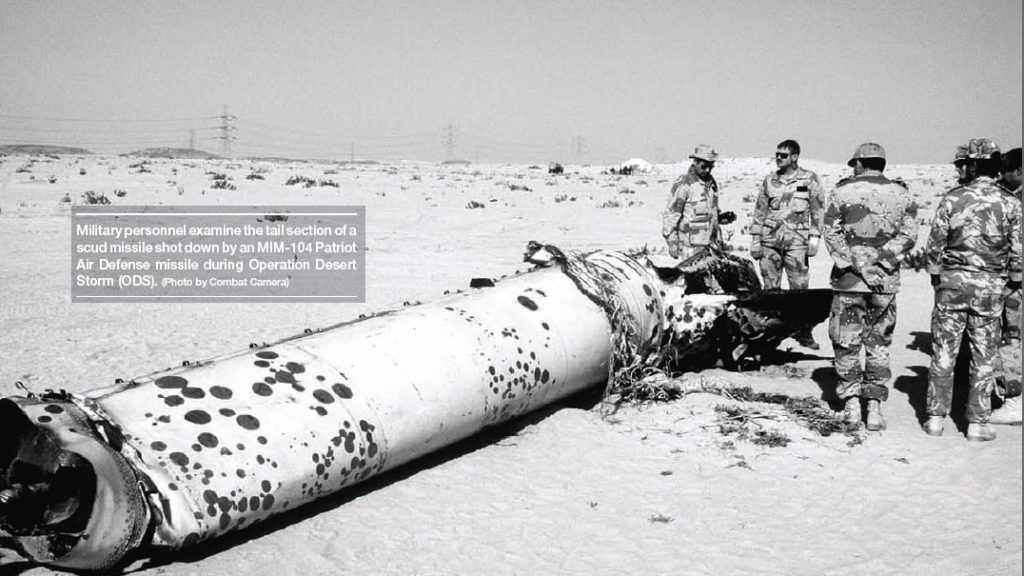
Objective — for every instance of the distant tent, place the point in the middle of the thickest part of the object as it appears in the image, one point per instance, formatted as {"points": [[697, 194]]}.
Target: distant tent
{"points": [[635, 165]]}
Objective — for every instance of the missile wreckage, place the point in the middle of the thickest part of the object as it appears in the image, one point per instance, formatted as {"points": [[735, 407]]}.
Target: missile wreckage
{"points": [[187, 455]]}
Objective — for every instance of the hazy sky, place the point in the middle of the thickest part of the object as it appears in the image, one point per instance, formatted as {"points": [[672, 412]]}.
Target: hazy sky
{"points": [[520, 81]]}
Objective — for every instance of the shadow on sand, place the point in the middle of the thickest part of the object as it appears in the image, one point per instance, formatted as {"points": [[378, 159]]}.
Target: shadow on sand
{"points": [[585, 400]]}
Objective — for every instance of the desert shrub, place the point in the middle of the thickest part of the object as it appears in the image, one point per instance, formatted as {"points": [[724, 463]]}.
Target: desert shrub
{"points": [[120, 193], [474, 204], [254, 176], [609, 204], [90, 197]]}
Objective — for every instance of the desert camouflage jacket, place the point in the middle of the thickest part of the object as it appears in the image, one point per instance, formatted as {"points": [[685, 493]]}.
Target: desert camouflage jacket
{"points": [[692, 211], [789, 203], [977, 229], [870, 224]]}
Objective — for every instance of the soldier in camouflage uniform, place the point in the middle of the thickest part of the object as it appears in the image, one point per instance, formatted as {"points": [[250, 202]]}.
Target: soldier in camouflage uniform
{"points": [[690, 221], [870, 224], [960, 163], [974, 250], [787, 224], [1008, 377]]}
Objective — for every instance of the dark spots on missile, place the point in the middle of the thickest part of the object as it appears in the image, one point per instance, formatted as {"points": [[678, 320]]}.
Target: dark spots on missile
{"points": [[648, 290], [243, 504], [545, 326], [197, 448], [44, 419], [174, 400], [491, 370], [266, 485], [262, 389], [178, 458], [208, 440], [262, 364], [254, 502], [248, 422], [320, 378], [261, 439], [211, 511], [284, 376], [170, 382], [226, 412], [295, 367], [372, 450], [320, 410], [266, 354], [54, 409], [260, 459], [343, 392], [268, 501], [270, 380], [527, 302], [545, 376], [320, 469], [193, 393], [323, 396], [164, 418], [220, 392], [172, 486], [225, 521], [198, 417], [190, 539]]}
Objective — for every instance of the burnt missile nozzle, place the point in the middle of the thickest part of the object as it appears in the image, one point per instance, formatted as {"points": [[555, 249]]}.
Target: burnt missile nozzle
{"points": [[67, 497]]}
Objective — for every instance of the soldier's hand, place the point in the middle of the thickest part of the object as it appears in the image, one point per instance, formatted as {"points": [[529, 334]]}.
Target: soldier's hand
{"points": [[756, 250], [873, 277], [673, 247], [936, 280], [812, 246], [727, 217]]}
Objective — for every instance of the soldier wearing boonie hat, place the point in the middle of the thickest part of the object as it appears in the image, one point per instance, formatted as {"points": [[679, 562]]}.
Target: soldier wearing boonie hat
{"points": [[690, 221], [973, 254], [870, 224], [960, 163]]}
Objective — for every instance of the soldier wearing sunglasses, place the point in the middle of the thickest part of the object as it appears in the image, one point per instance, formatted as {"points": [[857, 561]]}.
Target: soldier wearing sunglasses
{"points": [[787, 224], [690, 222]]}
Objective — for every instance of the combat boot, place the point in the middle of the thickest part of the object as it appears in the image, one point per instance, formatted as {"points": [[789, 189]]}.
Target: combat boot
{"points": [[875, 422], [978, 432], [851, 415], [934, 425], [1008, 414]]}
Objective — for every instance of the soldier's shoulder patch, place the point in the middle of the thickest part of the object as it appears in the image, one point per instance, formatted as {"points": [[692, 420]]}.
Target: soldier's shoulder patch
{"points": [[845, 181], [900, 182]]}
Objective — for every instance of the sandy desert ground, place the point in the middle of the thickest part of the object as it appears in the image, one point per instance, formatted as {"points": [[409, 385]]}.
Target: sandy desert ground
{"points": [[653, 489]]}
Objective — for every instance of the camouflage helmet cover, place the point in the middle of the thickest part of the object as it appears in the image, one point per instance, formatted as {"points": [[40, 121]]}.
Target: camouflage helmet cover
{"points": [[867, 150]]}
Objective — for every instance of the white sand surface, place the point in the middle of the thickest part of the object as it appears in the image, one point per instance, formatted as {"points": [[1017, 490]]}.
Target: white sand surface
{"points": [[655, 489]]}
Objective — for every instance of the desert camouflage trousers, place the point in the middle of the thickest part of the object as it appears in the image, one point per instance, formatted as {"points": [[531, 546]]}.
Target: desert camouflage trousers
{"points": [[972, 303], [862, 320], [791, 257]]}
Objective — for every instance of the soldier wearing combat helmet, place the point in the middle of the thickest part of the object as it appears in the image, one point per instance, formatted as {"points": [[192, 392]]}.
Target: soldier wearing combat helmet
{"points": [[973, 254], [787, 224], [690, 221], [870, 224]]}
